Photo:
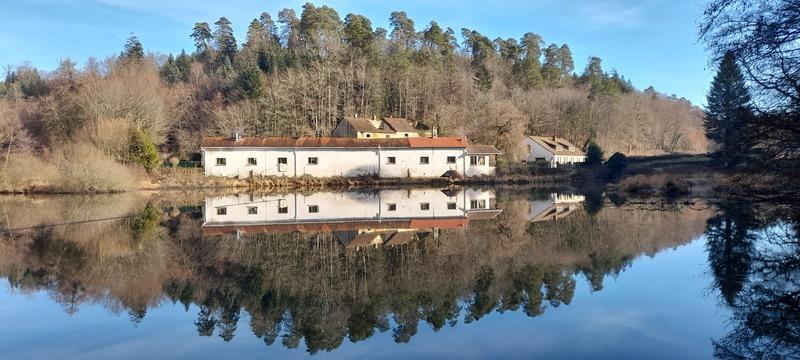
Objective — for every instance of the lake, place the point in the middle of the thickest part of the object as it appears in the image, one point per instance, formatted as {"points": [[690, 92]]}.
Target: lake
{"points": [[395, 273]]}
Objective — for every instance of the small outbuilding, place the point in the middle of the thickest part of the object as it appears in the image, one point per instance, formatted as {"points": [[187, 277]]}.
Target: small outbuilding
{"points": [[554, 150]]}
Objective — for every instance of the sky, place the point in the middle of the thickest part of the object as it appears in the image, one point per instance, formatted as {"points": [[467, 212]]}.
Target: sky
{"points": [[651, 42]]}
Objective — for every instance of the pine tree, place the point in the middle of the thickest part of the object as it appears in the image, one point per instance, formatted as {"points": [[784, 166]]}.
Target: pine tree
{"points": [[727, 112], [248, 82], [142, 150], [551, 69], [224, 40], [169, 71], [594, 154], [134, 51], [201, 33], [567, 63]]}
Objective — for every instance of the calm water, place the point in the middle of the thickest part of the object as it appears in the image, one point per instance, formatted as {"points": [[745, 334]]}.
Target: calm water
{"points": [[454, 273]]}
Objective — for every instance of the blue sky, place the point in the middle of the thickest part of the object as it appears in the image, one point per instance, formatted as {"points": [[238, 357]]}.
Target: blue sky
{"points": [[652, 42]]}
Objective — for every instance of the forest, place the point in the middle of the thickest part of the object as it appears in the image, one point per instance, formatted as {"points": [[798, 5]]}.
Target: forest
{"points": [[299, 75]]}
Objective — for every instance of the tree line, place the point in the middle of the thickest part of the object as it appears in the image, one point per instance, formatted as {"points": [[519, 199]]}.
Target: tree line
{"points": [[298, 75]]}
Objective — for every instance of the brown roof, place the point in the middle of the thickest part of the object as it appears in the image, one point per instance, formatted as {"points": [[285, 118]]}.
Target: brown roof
{"points": [[400, 238], [483, 214], [400, 124], [364, 125], [483, 150], [331, 142], [558, 146]]}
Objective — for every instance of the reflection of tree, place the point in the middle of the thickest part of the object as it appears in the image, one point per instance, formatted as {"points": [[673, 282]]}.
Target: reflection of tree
{"points": [[308, 288], [755, 261]]}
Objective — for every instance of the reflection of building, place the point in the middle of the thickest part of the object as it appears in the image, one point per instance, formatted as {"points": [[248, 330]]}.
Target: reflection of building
{"points": [[349, 157], [556, 207], [391, 217], [554, 150]]}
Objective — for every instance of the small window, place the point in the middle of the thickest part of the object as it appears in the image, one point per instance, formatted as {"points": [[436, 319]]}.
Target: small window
{"points": [[282, 160], [222, 211], [313, 208], [477, 204], [391, 160], [252, 210], [473, 160], [424, 160], [424, 206], [368, 135], [220, 161], [283, 209], [391, 207], [387, 136], [251, 161], [313, 161], [451, 159], [451, 206], [406, 134]]}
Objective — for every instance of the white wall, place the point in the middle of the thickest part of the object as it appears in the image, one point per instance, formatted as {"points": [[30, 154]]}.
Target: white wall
{"points": [[341, 162], [535, 150], [344, 206]]}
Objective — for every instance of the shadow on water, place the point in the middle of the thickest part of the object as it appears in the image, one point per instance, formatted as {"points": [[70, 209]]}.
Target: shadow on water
{"points": [[318, 269]]}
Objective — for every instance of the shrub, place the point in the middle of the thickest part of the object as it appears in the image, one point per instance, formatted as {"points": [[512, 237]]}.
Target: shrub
{"points": [[24, 171], [616, 164], [83, 168], [142, 150]]}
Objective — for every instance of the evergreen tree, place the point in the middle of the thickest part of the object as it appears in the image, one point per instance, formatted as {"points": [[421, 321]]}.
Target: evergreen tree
{"points": [[142, 150], [551, 69], [201, 33], [224, 40], [727, 112], [594, 154], [133, 52], [248, 82], [169, 71], [529, 70], [358, 34], [566, 62], [184, 65]]}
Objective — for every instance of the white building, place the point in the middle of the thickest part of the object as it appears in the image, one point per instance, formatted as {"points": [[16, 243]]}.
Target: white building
{"points": [[349, 157], [359, 218], [554, 150]]}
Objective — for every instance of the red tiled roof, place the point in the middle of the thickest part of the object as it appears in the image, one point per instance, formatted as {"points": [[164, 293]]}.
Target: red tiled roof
{"points": [[331, 142]]}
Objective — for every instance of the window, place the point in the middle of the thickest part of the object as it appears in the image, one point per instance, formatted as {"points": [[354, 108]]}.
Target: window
{"points": [[451, 206], [313, 161], [477, 160], [222, 211], [391, 160], [251, 161], [282, 160], [406, 134], [252, 210], [220, 161], [477, 204], [451, 159], [424, 206], [283, 209], [313, 208], [387, 136], [392, 207], [424, 160], [368, 135]]}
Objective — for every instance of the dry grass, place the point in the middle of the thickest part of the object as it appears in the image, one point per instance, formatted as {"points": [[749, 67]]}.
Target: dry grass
{"points": [[669, 185], [72, 169]]}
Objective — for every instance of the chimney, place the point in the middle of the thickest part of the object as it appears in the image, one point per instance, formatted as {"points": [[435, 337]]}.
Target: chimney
{"points": [[554, 138], [434, 132], [374, 117], [237, 137]]}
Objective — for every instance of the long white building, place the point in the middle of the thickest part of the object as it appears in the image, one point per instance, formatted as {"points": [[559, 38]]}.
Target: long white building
{"points": [[425, 157]]}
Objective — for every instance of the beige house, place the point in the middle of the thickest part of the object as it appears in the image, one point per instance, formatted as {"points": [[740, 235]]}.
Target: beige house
{"points": [[383, 128], [554, 150]]}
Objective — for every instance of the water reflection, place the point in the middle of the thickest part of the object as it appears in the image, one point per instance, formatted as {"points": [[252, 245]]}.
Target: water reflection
{"points": [[753, 251], [316, 270]]}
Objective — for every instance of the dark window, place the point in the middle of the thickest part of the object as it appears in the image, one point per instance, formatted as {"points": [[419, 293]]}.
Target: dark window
{"points": [[252, 210], [406, 135], [387, 136], [282, 160], [477, 204], [451, 159], [283, 209], [222, 211], [473, 160], [220, 161], [424, 160], [391, 160], [392, 207], [424, 206], [251, 161], [313, 208], [368, 135], [451, 206], [313, 161]]}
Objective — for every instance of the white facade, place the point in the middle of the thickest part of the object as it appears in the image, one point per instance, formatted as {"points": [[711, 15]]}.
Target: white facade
{"points": [[331, 207], [244, 162], [556, 207], [537, 152]]}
